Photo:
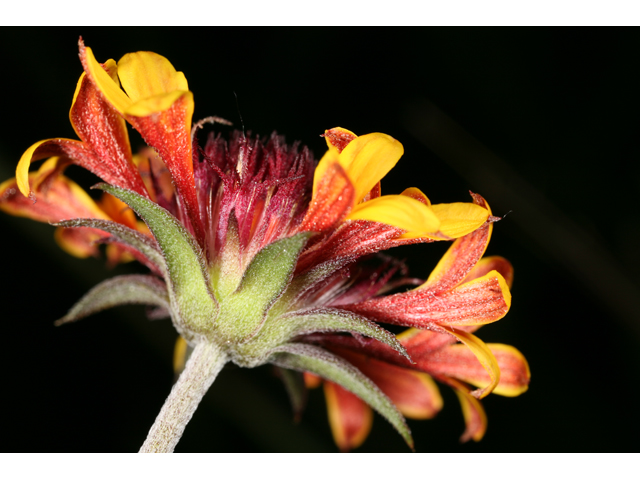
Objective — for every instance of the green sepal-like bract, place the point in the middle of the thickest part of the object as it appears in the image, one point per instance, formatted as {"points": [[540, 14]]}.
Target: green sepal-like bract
{"points": [[243, 313], [282, 329], [193, 305], [302, 357], [124, 235], [122, 290]]}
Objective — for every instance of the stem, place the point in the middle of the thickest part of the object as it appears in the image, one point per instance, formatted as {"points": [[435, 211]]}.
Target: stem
{"points": [[201, 370]]}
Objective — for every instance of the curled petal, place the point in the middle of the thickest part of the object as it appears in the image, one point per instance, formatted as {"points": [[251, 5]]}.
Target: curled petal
{"points": [[399, 211], [514, 369], [482, 353], [475, 417], [487, 264], [349, 417], [73, 150]]}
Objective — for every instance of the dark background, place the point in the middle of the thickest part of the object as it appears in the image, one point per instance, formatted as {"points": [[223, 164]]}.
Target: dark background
{"points": [[542, 122]]}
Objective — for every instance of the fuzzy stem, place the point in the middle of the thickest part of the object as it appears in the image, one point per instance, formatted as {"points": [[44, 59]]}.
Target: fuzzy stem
{"points": [[201, 370]]}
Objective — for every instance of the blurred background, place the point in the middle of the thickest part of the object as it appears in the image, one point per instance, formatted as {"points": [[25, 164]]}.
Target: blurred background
{"points": [[542, 122]]}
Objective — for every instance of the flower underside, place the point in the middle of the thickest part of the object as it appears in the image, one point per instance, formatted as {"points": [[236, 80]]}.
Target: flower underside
{"points": [[259, 255]]}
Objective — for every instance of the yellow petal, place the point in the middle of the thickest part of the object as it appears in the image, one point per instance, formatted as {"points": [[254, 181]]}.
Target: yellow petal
{"points": [[103, 81], [459, 219], [399, 211], [147, 74], [367, 159]]}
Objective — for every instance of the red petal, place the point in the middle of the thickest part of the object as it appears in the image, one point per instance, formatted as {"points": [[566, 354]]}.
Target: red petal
{"points": [[169, 133], [414, 393]]}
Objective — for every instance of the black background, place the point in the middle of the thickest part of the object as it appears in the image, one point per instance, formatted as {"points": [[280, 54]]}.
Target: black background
{"points": [[542, 122]]}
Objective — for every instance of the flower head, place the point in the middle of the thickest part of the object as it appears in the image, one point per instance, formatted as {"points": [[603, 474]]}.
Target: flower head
{"points": [[256, 254]]}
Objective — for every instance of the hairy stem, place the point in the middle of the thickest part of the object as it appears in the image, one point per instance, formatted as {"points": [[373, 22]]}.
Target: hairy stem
{"points": [[201, 370]]}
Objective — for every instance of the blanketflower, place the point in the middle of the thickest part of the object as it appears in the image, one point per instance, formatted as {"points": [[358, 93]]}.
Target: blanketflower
{"points": [[250, 247]]}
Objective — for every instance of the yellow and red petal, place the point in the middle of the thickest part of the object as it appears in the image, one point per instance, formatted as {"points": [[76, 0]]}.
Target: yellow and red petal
{"points": [[101, 127], [459, 260], [423, 342], [349, 417], [481, 301], [446, 362], [332, 200], [487, 264], [514, 369], [163, 118], [399, 211], [119, 211], [475, 418], [478, 302], [79, 242], [64, 148], [62, 200]]}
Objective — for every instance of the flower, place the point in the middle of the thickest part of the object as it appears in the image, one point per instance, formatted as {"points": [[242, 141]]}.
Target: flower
{"points": [[251, 247], [457, 284]]}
